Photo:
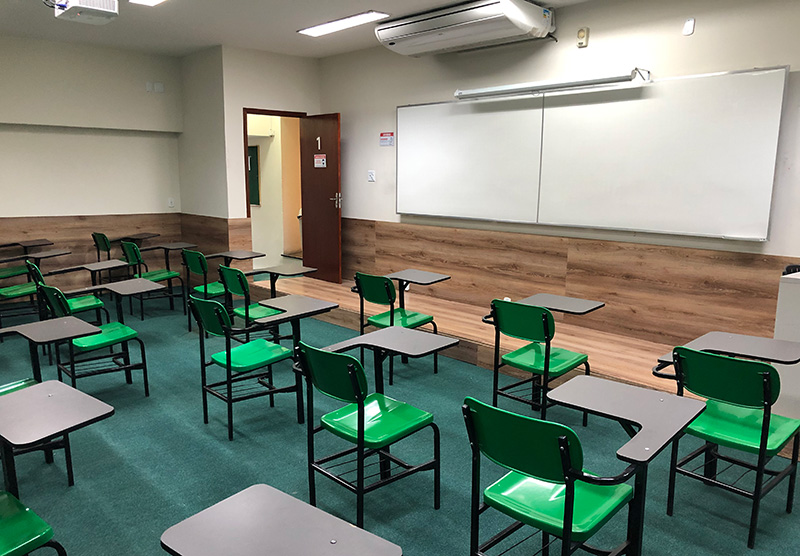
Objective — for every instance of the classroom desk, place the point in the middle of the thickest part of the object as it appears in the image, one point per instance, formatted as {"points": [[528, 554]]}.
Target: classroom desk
{"points": [[27, 244], [275, 272], [168, 248], [136, 238], [239, 255], [413, 276], [295, 308], [395, 340], [37, 257], [563, 304], [48, 331], [738, 345], [263, 520], [95, 269], [124, 288], [41, 413], [659, 416]]}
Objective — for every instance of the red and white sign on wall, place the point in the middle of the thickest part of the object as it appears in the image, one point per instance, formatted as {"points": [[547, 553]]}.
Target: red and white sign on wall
{"points": [[387, 139], [320, 161]]}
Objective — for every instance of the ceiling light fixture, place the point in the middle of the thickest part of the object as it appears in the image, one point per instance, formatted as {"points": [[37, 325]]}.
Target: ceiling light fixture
{"points": [[341, 24], [146, 2]]}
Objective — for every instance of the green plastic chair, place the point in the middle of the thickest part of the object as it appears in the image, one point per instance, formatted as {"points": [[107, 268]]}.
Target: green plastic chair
{"points": [[101, 245], [381, 291], [133, 256], [373, 422], [546, 487], [235, 283], [539, 358], [83, 359], [246, 365], [76, 304], [195, 263], [21, 530], [740, 394], [10, 296]]}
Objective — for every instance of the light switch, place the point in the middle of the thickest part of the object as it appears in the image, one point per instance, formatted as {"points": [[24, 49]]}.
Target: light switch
{"points": [[370, 175], [688, 27]]}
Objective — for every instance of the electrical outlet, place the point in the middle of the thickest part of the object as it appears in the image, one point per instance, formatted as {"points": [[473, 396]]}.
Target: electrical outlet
{"points": [[171, 202], [370, 175]]}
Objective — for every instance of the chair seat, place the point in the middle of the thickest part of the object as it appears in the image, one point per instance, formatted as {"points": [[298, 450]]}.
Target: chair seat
{"points": [[10, 271], [21, 530], [84, 303], [109, 335], [158, 275], [253, 355], [385, 421], [541, 503], [16, 385], [20, 290], [402, 317], [531, 358], [739, 427], [215, 289], [256, 311]]}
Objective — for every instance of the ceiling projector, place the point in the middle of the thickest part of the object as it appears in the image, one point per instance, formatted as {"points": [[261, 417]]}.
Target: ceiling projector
{"points": [[94, 12]]}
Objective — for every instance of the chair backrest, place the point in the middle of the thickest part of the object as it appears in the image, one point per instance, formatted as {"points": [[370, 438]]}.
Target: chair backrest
{"points": [[234, 281], [131, 252], [195, 261], [55, 301], [376, 289], [210, 315], [726, 379], [527, 322], [520, 443], [329, 373], [101, 242], [34, 273]]}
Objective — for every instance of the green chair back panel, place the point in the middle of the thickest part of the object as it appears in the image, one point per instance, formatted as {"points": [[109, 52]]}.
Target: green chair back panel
{"points": [[522, 321], [210, 315], [22, 531], [234, 280], [329, 372], [131, 252], [34, 273], [726, 379], [101, 242], [55, 301], [376, 289], [522, 444], [195, 261]]}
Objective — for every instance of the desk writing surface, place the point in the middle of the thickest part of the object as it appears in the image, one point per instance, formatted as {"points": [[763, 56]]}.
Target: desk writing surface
{"points": [[294, 306], [741, 345], [51, 330], [287, 269], [421, 277], [396, 339], [662, 416], [133, 286], [571, 305], [104, 265], [46, 410], [262, 520]]}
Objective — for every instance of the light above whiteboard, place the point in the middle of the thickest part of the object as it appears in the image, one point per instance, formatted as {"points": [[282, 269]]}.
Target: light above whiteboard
{"points": [[535, 88]]}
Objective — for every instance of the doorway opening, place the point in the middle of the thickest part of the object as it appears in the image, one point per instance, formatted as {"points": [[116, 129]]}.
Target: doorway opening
{"points": [[273, 183]]}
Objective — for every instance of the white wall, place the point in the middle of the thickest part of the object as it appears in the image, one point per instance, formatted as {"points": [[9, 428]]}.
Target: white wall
{"points": [[202, 143], [254, 79], [367, 86], [79, 133]]}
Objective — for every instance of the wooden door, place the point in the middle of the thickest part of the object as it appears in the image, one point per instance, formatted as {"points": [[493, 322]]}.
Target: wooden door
{"points": [[320, 179]]}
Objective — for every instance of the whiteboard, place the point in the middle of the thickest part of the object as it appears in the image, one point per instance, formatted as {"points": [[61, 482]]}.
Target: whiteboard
{"points": [[475, 159], [689, 156], [693, 155]]}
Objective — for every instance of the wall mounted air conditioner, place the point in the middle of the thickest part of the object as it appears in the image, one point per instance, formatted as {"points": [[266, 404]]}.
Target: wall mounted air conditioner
{"points": [[94, 12], [466, 26]]}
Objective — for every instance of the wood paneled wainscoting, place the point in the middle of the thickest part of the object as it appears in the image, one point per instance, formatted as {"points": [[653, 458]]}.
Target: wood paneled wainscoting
{"points": [[655, 293]]}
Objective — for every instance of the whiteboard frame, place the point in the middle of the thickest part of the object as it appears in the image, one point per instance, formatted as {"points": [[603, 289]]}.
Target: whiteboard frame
{"points": [[786, 68]]}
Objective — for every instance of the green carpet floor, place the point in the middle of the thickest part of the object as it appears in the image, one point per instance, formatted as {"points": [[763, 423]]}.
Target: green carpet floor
{"points": [[154, 462]]}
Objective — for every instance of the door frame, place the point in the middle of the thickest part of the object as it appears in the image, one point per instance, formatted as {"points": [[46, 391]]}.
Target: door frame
{"points": [[260, 112]]}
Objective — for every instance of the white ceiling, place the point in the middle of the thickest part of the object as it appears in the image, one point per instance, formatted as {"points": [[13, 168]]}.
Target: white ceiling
{"points": [[179, 27]]}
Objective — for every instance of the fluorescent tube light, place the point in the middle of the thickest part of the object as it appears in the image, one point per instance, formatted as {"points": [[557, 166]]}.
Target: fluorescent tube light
{"points": [[346, 23], [146, 2], [533, 88]]}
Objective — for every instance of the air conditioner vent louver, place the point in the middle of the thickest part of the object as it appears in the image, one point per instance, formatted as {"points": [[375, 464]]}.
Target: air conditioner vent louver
{"points": [[94, 12]]}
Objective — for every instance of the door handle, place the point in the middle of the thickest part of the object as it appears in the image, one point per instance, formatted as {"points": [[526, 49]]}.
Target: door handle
{"points": [[337, 200]]}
